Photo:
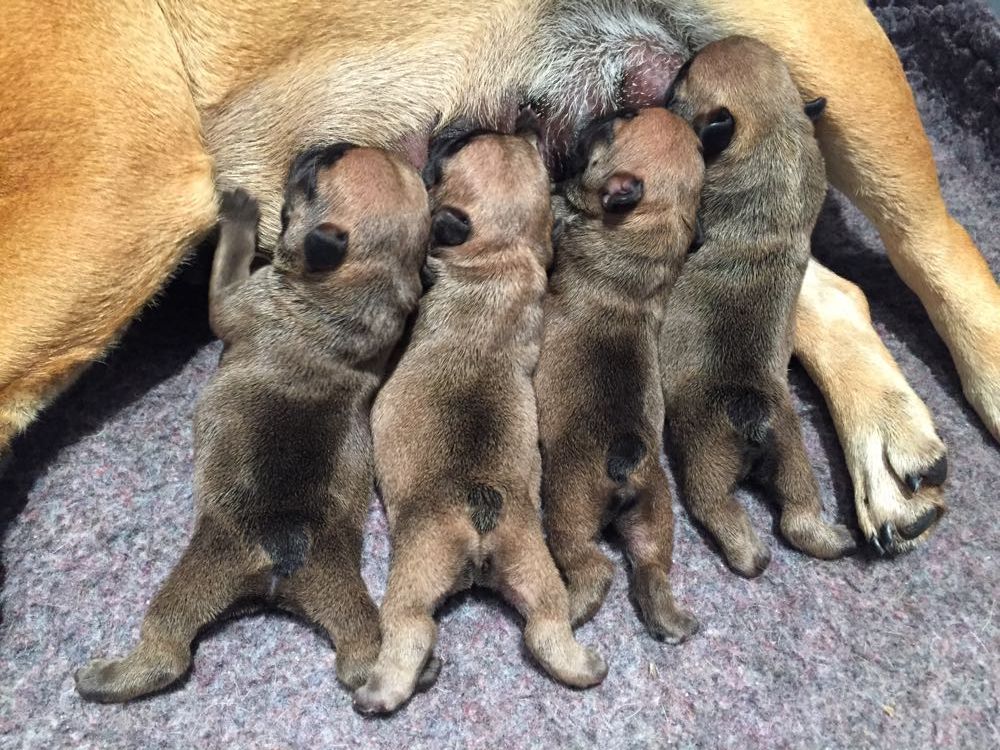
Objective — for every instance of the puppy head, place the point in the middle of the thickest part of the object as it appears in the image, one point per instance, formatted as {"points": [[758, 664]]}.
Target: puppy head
{"points": [[640, 171], [733, 92], [487, 189], [348, 208]]}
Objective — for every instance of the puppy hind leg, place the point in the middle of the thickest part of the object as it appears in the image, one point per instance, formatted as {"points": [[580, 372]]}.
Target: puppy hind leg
{"points": [[329, 591], [573, 521], [711, 462], [426, 563], [795, 486], [647, 529], [211, 576], [527, 577]]}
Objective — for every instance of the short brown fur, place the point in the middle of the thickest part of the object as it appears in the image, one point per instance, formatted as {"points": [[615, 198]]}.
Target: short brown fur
{"points": [[727, 337], [455, 427], [600, 401], [283, 453]]}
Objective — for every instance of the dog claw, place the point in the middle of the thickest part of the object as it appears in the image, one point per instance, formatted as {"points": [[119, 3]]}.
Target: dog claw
{"points": [[885, 535], [938, 472], [933, 477], [918, 527], [874, 542]]}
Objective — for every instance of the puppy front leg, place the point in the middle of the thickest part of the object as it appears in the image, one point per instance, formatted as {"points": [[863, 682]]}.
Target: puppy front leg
{"points": [[330, 591], [238, 219], [795, 485], [710, 468], [426, 562], [527, 577], [211, 575], [648, 531], [894, 456]]}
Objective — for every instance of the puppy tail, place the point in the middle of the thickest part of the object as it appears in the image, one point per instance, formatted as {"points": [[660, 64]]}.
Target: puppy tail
{"points": [[286, 541], [750, 413]]}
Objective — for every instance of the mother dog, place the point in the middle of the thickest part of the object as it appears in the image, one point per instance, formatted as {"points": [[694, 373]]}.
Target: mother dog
{"points": [[121, 120]]}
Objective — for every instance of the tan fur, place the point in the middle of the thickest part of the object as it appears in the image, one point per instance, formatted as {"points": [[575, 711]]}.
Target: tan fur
{"points": [[887, 432], [600, 401], [455, 427], [120, 118]]}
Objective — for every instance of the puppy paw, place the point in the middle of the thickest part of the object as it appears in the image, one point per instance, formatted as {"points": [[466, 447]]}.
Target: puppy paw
{"points": [[811, 534], [749, 558], [239, 207], [375, 698], [587, 585], [353, 671], [588, 669], [108, 681], [664, 620], [897, 463], [674, 627]]}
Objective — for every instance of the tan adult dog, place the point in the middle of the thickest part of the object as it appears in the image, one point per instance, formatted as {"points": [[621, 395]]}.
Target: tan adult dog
{"points": [[121, 119]]}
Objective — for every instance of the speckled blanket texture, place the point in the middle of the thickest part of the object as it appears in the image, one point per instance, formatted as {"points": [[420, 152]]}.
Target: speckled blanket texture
{"points": [[97, 506]]}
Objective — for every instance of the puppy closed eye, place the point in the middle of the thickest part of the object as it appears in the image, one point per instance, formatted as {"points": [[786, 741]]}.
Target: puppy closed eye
{"points": [[450, 227], [325, 248]]}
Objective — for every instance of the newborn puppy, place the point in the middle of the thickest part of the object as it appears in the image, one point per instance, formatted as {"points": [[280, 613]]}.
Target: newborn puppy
{"points": [[283, 453], [455, 427], [629, 223], [727, 337]]}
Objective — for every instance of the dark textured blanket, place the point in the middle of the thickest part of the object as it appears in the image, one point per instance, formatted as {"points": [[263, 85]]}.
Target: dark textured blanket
{"points": [[97, 506]]}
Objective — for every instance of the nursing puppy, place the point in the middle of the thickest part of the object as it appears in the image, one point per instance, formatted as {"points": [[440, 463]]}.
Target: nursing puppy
{"points": [[283, 454], [455, 427], [727, 337], [629, 223]]}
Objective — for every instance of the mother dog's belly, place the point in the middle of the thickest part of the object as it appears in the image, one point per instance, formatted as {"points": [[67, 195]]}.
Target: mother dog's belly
{"points": [[389, 87]]}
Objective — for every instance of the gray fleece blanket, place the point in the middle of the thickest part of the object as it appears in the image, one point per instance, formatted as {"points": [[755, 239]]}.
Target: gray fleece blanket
{"points": [[97, 506]]}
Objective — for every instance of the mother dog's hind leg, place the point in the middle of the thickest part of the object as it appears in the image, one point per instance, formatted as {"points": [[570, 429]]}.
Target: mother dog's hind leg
{"points": [[894, 456], [104, 183], [877, 153]]}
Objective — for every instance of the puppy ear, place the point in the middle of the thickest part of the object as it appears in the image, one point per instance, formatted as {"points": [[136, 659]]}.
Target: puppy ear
{"points": [[716, 134], [450, 227], [325, 248], [622, 192], [302, 174], [815, 108]]}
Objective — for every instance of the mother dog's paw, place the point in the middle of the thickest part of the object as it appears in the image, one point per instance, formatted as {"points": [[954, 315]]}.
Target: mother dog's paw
{"points": [[898, 464], [982, 389]]}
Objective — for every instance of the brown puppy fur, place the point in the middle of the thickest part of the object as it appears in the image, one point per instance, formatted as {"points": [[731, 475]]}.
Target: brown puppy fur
{"points": [[455, 427], [727, 337], [101, 94], [283, 453], [629, 223]]}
